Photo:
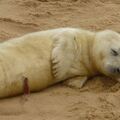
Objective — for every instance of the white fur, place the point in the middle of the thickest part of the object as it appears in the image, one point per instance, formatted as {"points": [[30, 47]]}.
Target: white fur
{"points": [[47, 57]]}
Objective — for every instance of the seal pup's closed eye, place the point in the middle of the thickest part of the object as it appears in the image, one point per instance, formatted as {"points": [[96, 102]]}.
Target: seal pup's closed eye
{"points": [[114, 52]]}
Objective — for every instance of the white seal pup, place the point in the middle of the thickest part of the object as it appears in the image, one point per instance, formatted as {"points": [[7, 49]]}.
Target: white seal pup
{"points": [[47, 57]]}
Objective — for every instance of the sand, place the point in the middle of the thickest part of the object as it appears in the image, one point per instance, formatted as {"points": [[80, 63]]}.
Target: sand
{"points": [[99, 99]]}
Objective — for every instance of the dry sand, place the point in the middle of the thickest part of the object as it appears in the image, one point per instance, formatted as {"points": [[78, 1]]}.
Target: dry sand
{"points": [[100, 98]]}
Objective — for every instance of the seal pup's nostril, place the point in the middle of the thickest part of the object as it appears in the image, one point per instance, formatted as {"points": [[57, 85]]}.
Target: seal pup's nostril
{"points": [[118, 70]]}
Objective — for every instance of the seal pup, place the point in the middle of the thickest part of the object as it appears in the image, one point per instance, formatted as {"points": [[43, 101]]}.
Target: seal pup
{"points": [[48, 57]]}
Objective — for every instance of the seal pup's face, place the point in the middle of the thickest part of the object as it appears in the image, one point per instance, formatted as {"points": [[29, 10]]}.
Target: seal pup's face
{"points": [[111, 60], [108, 53]]}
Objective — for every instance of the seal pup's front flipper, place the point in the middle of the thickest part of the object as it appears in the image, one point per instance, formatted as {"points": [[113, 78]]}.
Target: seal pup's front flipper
{"points": [[76, 82], [63, 55]]}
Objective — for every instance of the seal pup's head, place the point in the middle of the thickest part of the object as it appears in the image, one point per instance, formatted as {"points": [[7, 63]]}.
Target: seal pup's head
{"points": [[107, 52]]}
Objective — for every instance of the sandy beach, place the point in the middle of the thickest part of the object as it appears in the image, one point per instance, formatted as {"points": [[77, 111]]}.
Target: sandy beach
{"points": [[99, 99]]}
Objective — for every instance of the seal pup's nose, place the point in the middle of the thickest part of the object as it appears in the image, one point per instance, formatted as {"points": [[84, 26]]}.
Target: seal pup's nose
{"points": [[115, 70]]}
